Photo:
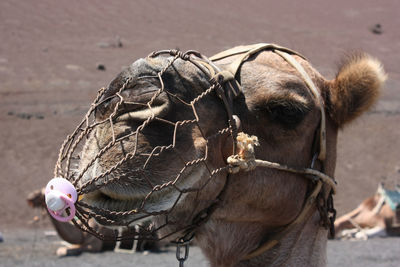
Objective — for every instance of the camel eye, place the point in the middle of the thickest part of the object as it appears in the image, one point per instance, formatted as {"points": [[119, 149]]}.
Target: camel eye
{"points": [[51, 187], [287, 113], [69, 195]]}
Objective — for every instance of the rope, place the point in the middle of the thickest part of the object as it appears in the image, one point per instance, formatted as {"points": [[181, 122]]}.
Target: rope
{"points": [[246, 161]]}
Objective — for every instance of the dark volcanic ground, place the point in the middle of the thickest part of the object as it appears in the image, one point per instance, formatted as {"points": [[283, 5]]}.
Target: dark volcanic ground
{"points": [[29, 248], [50, 50]]}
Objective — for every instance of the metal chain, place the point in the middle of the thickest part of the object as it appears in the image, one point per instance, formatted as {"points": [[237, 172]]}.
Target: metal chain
{"points": [[184, 243], [182, 257], [332, 215]]}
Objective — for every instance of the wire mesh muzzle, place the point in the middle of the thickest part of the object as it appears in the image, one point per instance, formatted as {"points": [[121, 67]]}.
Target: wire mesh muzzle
{"points": [[77, 166]]}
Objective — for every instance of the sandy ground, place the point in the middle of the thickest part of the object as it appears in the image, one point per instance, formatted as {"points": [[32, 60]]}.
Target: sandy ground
{"points": [[50, 50], [29, 248]]}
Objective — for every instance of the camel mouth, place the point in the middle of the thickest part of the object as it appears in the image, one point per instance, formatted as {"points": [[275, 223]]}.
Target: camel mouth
{"points": [[121, 201], [138, 203], [110, 201], [108, 204]]}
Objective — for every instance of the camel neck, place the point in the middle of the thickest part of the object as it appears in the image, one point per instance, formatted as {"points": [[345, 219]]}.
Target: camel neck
{"points": [[226, 243], [305, 245]]}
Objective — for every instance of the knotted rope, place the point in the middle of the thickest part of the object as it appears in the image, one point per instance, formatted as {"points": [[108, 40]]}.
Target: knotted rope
{"points": [[245, 161]]}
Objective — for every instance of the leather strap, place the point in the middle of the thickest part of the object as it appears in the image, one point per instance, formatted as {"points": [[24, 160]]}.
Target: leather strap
{"points": [[250, 50], [227, 76], [292, 61]]}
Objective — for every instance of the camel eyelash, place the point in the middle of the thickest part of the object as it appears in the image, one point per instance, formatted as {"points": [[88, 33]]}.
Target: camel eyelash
{"points": [[287, 113]]}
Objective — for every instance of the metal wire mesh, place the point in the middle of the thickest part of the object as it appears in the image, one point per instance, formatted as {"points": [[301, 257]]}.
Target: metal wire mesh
{"points": [[70, 156]]}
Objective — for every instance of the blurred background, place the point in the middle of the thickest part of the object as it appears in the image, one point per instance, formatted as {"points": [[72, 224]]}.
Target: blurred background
{"points": [[55, 55]]}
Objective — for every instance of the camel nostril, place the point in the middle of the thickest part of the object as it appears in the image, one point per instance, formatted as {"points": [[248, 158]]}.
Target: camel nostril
{"points": [[133, 104], [159, 110]]}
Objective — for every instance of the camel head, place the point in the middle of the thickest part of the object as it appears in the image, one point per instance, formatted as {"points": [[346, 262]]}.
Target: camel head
{"points": [[162, 137], [173, 152]]}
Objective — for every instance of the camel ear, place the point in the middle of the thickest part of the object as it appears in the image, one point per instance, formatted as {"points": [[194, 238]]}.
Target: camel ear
{"points": [[355, 89]]}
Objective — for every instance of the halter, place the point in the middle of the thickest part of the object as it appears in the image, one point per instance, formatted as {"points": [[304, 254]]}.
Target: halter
{"points": [[232, 87], [223, 83]]}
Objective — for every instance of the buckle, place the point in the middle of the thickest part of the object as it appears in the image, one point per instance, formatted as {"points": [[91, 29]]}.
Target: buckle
{"points": [[227, 79]]}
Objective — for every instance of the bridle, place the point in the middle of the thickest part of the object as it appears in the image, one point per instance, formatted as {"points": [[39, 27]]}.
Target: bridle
{"points": [[231, 89]]}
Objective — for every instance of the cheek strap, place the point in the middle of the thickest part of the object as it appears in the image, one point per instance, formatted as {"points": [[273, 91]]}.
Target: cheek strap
{"points": [[292, 61]]}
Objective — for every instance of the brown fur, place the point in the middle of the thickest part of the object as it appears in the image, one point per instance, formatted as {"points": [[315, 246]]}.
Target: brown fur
{"points": [[278, 108], [356, 88]]}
